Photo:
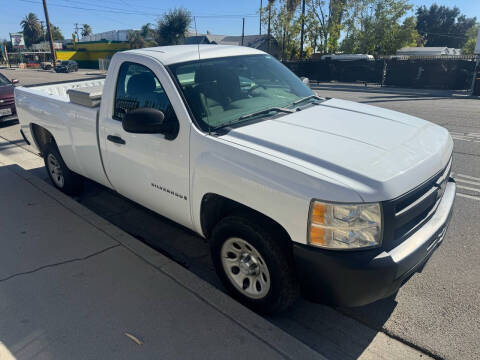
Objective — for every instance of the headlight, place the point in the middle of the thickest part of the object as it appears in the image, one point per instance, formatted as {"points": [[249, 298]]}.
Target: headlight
{"points": [[344, 226]]}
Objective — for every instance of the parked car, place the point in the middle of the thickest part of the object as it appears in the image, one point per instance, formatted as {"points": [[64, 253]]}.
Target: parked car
{"points": [[292, 190], [48, 65], [66, 66], [7, 102]]}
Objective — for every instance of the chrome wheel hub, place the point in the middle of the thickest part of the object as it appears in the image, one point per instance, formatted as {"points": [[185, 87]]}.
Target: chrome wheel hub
{"points": [[245, 268], [55, 170]]}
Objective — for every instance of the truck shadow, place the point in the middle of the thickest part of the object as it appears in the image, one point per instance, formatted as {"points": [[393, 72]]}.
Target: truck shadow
{"points": [[335, 333]]}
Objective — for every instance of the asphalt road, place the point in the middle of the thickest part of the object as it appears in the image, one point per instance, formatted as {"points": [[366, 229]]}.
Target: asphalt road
{"points": [[39, 76], [437, 311]]}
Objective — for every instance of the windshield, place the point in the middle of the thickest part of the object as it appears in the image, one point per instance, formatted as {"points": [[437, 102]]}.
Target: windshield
{"points": [[4, 80], [222, 91]]}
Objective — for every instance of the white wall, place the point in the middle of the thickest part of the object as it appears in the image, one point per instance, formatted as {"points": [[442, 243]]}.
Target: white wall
{"points": [[114, 35]]}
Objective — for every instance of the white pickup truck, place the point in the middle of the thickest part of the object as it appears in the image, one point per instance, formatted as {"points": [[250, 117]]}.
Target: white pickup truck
{"points": [[294, 191]]}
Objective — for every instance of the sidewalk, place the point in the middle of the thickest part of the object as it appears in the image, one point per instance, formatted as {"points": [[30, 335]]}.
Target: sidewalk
{"points": [[376, 88], [73, 286]]}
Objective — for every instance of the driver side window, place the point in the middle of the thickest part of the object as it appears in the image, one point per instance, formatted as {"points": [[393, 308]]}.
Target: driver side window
{"points": [[138, 87]]}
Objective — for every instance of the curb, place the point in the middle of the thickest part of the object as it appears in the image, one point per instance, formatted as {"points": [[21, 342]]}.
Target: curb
{"points": [[286, 345]]}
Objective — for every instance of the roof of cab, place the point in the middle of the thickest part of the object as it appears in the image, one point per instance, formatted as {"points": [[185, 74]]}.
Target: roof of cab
{"points": [[183, 53]]}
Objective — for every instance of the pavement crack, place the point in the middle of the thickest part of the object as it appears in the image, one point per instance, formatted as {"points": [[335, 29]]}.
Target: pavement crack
{"points": [[60, 263]]}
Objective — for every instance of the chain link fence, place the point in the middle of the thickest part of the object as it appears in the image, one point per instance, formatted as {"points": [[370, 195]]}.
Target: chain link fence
{"points": [[103, 64]]}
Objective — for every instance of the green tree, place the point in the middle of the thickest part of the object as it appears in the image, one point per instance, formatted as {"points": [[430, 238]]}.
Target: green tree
{"points": [[147, 31], [56, 33], [173, 26], [32, 29], [471, 34], [329, 20], [285, 21], [135, 40], [86, 30], [443, 26], [373, 27]]}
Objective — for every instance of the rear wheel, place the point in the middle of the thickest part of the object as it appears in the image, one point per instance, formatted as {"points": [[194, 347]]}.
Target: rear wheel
{"points": [[254, 264], [58, 172]]}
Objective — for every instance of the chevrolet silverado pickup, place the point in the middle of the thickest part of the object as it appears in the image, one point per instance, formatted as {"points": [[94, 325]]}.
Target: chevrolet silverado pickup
{"points": [[295, 193]]}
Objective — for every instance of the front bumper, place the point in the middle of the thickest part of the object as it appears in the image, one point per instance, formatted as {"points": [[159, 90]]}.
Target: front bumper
{"points": [[12, 116], [356, 278]]}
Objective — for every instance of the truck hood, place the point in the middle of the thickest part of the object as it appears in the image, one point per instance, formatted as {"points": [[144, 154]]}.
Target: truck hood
{"points": [[379, 153]]}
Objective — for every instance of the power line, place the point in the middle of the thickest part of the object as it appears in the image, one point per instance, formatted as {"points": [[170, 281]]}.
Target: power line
{"points": [[140, 13], [93, 9]]}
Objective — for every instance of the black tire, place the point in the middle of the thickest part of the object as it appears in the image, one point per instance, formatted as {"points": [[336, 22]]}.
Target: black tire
{"points": [[72, 182], [284, 288]]}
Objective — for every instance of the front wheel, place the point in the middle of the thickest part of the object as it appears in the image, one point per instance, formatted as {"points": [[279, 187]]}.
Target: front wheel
{"points": [[58, 172], [254, 264]]}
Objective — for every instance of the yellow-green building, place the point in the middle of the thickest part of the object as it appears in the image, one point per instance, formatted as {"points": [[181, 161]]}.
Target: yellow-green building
{"points": [[86, 54]]}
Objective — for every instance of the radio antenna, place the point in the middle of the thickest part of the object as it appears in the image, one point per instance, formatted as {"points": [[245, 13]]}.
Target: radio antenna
{"points": [[196, 35]]}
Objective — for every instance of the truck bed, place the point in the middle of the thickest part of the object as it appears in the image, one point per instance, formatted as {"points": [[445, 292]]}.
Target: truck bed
{"points": [[59, 90], [74, 127]]}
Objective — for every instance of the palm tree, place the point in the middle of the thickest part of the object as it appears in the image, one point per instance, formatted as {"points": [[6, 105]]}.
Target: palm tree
{"points": [[32, 29], [56, 33], [135, 40], [172, 27], [147, 32], [86, 30]]}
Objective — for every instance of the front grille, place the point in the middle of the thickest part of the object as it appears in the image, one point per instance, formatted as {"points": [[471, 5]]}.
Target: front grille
{"points": [[407, 213], [8, 101]]}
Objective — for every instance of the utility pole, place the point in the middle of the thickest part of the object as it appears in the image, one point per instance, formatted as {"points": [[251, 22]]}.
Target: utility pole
{"points": [[268, 29], [243, 29], [6, 55], [260, 30], [302, 29], [76, 30], [50, 39]]}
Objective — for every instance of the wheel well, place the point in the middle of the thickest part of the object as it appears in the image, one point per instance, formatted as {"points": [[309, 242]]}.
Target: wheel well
{"points": [[42, 137], [215, 207]]}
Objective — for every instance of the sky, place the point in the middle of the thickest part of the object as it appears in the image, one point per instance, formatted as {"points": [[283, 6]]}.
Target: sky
{"points": [[219, 17]]}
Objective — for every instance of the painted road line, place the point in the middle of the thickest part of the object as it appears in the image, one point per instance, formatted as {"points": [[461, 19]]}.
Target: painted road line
{"points": [[467, 181], [467, 188], [468, 196], [466, 177], [471, 137]]}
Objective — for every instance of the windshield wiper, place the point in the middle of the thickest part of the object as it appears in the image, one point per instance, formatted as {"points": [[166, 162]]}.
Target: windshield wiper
{"points": [[266, 111], [307, 98], [256, 113]]}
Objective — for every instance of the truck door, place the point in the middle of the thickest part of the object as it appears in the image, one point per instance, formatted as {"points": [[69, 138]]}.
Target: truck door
{"points": [[151, 169]]}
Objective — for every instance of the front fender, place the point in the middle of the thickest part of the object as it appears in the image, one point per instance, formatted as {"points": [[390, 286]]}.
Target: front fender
{"points": [[281, 192]]}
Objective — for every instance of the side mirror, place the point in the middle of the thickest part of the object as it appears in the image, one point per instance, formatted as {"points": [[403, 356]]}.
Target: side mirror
{"points": [[305, 80], [144, 121], [15, 81]]}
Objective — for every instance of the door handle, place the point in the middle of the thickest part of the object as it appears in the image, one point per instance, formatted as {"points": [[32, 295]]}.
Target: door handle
{"points": [[116, 139]]}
